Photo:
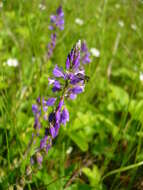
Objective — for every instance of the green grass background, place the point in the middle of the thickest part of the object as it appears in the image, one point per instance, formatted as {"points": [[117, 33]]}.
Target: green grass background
{"points": [[106, 121]]}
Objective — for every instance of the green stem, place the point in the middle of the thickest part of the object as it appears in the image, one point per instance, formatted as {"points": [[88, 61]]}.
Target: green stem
{"points": [[122, 169]]}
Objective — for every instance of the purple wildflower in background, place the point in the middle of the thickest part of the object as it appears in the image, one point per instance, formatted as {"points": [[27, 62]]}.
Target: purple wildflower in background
{"points": [[57, 22], [66, 84], [85, 58], [51, 45]]}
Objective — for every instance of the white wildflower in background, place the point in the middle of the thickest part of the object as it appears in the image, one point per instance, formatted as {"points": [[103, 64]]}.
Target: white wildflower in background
{"points": [[121, 23], [95, 52], [141, 76], [79, 21], [69, 150], [133, 26], [12, 62], [1, 5], [42, 7], [117, 6], [33, 59]]}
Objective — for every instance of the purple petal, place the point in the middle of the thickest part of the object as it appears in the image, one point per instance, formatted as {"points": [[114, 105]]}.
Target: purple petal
{"points": [[34, 108], [83, 47], [72, 96], [52, 132], [57, 126], [50, 101], [59, 11], [38, 100], [77, 90], [57, 86], [68, 63], [39, 158], [60, 104], [53, 18], [64, 116], [43, 142], [58, 116], [57, 72]]}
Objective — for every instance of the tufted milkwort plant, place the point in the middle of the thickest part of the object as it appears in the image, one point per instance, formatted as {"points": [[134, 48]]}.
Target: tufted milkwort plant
{"points": [[50, 113]]}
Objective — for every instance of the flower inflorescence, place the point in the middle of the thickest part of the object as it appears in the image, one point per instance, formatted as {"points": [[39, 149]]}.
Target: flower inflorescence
{"points": [[50, 113]]}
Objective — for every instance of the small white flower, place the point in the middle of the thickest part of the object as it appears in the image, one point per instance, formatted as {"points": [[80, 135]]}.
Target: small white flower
{"points": [[95, 52], [69, 150], [117, 6], [121, 23], [33, 59], [12, 62], [141, 76], [42, 7], [133, 26], [1, 4], [79, 21]]}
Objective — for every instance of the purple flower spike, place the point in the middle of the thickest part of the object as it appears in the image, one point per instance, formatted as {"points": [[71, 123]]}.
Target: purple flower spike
{"points": [[70, 83], [50, 101], [64, 116], [57, 72]]}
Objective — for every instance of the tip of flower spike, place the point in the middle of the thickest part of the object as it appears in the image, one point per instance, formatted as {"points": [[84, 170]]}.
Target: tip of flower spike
{"points": [[78, 44]]}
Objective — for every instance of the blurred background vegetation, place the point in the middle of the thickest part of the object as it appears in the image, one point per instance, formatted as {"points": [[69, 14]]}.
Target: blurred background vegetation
{"points": [[105, 131]]}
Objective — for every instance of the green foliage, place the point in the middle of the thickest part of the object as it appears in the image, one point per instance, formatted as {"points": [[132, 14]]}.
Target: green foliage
{"points": [[106, 121]]}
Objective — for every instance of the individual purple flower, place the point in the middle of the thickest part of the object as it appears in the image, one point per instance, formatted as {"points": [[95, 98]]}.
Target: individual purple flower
{"points": [[58, 72], [77, 89], [64, 116], [56, 86], [35, 108]]}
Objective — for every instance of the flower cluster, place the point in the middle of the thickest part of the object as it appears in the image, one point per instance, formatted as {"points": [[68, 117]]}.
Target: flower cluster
{"points": [[57, 22], [65, 85]]}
